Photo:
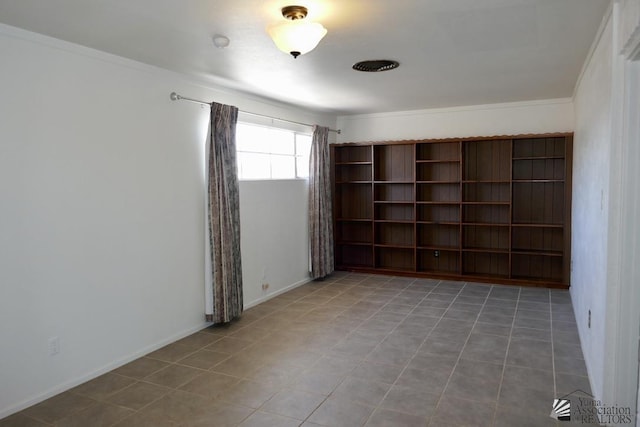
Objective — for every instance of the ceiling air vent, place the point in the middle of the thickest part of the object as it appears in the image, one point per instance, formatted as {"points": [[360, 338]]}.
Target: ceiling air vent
{"points": [[375, 65]]}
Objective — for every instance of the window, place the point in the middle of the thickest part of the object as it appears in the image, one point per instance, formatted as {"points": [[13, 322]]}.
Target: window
{"points": [[271, 153]]}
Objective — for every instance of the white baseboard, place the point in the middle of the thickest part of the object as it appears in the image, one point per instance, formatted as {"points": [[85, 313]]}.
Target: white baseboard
{"points": [[276, 293], [94, 374], [131, 357]]}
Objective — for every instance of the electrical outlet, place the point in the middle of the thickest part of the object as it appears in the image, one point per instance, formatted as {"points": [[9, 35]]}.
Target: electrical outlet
{"points": [[265, 286], [436, 254], [589, 321], [54, 346]]}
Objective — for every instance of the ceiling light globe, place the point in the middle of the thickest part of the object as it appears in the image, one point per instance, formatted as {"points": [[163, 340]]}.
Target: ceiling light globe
{"points": [[297, 37]]}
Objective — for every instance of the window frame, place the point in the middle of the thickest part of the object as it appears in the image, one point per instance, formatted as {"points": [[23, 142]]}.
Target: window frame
{"points": [[296, 156]]}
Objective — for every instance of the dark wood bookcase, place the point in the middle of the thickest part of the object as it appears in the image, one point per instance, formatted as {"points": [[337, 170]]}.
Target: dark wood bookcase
{"points": [[488, 209]]}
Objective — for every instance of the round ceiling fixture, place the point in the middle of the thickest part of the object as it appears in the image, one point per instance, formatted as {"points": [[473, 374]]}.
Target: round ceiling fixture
{"points": [[220, 41], [375, 65]]}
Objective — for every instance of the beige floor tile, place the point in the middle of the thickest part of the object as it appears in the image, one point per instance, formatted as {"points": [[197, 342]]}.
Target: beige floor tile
{"points": [[229, 345], [198, 340], [566, 384], [138, 395], [203, 359], [103, 386], [424, 380], [317, 381], [505, 417], [264, 419], [349, 350], [361, 391], [58, 407], [293, 403], [471, 387], [174, 376], [21, 420], [141, 419], [386, 418], [380, 372], [299, 357], [428, 361], [520, 395], [176, 406], [141, 368], [218, 415], [339, 413], [98, 415], [171, 353], [210, 384], [248, 393], [238, 366], [533, 378], [276, 374], [453, 412], [410, 401], [250, 333], [392, 354], [335, 365]]}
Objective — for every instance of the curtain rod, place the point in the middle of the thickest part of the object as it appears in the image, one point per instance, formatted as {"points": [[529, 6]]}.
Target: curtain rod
{"points": [[175, 97]]}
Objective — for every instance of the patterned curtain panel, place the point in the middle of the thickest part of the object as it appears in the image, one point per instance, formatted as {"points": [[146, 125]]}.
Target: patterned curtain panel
{"points": [[224, 268], [320, 217]]}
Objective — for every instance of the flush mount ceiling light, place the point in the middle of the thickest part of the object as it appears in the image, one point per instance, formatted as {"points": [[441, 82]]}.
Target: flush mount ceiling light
{"points": [[296, 36]]}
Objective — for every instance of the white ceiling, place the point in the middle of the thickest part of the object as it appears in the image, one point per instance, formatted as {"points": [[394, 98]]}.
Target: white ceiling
{"points": [[451, 52]]}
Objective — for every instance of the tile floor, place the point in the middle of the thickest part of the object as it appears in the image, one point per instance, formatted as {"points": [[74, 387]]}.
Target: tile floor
{"points": [[352, 350]]}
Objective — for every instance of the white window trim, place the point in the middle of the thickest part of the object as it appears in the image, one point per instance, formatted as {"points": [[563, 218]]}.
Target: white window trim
{"points": [[296, 156]]}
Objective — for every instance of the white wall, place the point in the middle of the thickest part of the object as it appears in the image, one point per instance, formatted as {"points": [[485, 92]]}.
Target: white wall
{"points": [[480, 120], [591, 171], [274, 236], [102, 211], [606, 222]]}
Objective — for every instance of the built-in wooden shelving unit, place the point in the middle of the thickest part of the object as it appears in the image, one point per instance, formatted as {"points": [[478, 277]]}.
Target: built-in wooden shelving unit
{"points": [[494, 209]]}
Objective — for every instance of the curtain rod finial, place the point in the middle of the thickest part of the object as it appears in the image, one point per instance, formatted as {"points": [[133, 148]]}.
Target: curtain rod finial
{"points": [[174, 96]]}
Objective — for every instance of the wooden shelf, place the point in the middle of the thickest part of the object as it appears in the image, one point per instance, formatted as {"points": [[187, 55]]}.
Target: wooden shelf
{"points": [[394, 202], [393, 246], [517, 224], [490, 208], [437, 182], [486, 250], [353, 163], [438, 202], [352, 265], [539, 158], [538, 180], [437, 161], [486, 224], [487, 203], [344, 242], [393, 182], [439, 248], [393, 269], [438, 222], [487, 277], [534, 252], [486, 181]]}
